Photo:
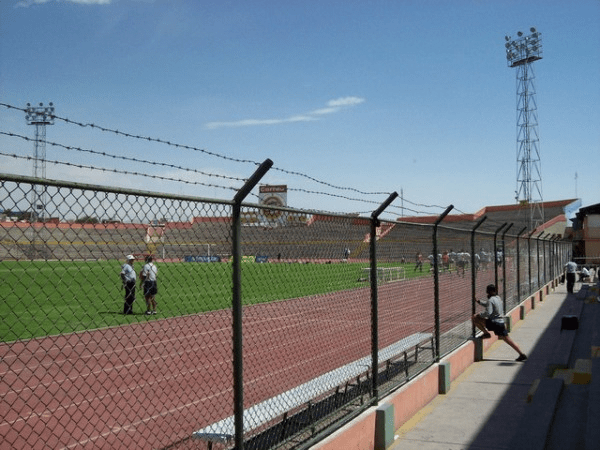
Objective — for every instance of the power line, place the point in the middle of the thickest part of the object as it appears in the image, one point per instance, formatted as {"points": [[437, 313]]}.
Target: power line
{"points": [[207, 152]]}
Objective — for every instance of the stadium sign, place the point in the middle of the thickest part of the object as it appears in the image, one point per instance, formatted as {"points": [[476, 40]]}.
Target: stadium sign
{"points": [[272, 195], [202, 258]]}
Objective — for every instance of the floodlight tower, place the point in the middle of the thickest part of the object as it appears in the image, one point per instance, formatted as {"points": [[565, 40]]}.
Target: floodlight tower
{"points": [[521, 53], [40, 116]]}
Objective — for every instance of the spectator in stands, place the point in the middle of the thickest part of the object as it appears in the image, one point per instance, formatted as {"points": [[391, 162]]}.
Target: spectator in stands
{"points": [[148, 282], [128, 277], [571, 274], [493, 319]]}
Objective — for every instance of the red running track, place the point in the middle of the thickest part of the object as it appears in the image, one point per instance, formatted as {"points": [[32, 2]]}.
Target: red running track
{"points": [[152, 384]]}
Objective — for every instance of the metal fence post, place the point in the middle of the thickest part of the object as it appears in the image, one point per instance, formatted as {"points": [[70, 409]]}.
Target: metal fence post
{"points": [[537, 246], [519, 264], [529, 291], [375, 223], [238, 367], [504, 265], [545, 258], [436, 282], [474, 270], [555, 256], [496, 253], [550, 264]]}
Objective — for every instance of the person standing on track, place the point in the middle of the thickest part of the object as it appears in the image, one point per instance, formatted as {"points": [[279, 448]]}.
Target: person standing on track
{"points": [[128, 277], [419, 262], [148, 283], [493, 319]]}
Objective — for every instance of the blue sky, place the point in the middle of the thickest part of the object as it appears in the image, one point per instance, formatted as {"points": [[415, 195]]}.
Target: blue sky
{"points": [[376, 96]]}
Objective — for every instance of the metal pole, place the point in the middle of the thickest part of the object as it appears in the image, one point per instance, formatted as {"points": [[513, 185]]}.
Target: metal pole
{"points": [[238, 367], [504, 265], [537, 246], [529, 291], [519, 265], [496, 253], [375, 223], [474, 270], [556, 257], [545, 258], [436, 283], [551, 255]]}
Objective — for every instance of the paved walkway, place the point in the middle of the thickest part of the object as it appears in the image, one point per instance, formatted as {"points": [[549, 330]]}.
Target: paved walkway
{"points": [[487, 402]]}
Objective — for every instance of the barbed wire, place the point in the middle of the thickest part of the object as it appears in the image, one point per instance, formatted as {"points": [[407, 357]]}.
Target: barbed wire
{"points": [[125, 158], [163, 178], [119, 171], [137, 160], [207, 152], [188, 147]]}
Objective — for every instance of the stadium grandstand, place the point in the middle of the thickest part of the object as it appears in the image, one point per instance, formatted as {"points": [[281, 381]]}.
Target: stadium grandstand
{"points": [[555, 212], [209, 236]]}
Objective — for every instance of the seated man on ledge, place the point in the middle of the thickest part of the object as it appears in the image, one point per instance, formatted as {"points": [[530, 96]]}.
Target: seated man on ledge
{"points": [[584, 275], [493, 319]]}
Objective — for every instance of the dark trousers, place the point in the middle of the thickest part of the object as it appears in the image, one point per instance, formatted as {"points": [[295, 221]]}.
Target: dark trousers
{"points": [[129, 297], [570, 282]]}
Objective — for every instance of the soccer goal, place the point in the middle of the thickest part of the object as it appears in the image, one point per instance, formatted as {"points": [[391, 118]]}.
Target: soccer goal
{"points": [[386, 274]]}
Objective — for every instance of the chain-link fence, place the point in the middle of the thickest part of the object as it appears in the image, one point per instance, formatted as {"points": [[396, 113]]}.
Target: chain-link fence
{"points": [[333, 315]]}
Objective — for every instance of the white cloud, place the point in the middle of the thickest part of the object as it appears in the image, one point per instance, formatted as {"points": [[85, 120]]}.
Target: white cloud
{"points": [[28, 3], [333, 106], [255, 122], [323, 111], [345, 101]]}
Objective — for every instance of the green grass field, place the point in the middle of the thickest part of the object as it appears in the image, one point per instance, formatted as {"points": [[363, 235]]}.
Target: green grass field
{"points": [[42, 298]]}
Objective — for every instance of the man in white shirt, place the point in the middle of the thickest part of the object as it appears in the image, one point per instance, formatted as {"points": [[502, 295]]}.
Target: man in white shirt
{"points": [[148, 283], [128, 277], [585, 274], [571, 273]]}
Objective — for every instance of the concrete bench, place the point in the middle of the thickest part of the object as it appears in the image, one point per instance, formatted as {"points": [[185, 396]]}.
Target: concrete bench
{"points": [[595, 340], [263, 412], [583, 291]]}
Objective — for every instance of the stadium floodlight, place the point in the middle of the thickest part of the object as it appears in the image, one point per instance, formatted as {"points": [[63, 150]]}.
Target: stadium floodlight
{"points": [[40, 116], [524, 49], [521, 53]]}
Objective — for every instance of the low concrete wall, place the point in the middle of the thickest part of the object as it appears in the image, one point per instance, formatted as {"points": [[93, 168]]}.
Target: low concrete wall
{"points": [[407, 401], [359, 434]]}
